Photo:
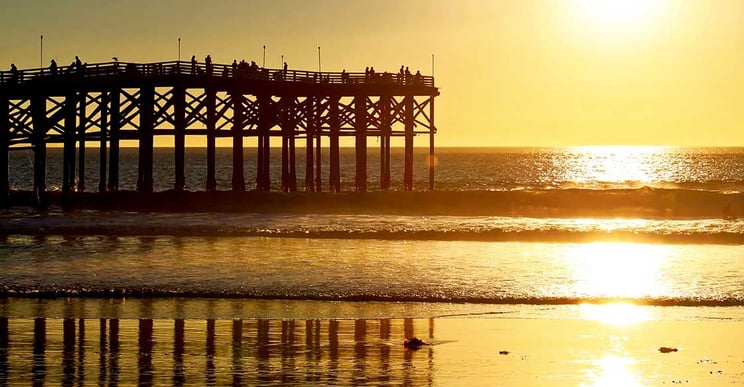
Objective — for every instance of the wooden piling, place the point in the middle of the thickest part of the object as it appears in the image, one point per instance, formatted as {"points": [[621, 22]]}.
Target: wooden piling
{"points": [[408, 146], [432, 156], [334, 163], [179, 137], [238, 179], [286, 131], [144, 173], [102, 143], [211, 121], [38, 116], [82, 104], [309, 138], [263, 179], [113, 181], [4, 151], [68, 153], [385, 128], [360, 127]]}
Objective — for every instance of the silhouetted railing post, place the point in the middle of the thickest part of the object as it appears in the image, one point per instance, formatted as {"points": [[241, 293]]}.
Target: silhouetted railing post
{"points": [[309, 138], [144, 173], [81, 140], [113, 181], [334, 163], [210, 100], [38, 113], [408, 163], [238, 179], [179, 138], [102, 142], [4, 150], [360, 127]]}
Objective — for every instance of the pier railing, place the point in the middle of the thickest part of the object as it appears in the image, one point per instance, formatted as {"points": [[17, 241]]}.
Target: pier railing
{"points": [[203, 69]]}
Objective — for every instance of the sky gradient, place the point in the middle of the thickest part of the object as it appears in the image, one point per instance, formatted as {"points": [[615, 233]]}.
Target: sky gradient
{"points": [[510, 72]]}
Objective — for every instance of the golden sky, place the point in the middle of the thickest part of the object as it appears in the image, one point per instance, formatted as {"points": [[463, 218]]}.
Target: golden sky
{"points": [[511, 72]]}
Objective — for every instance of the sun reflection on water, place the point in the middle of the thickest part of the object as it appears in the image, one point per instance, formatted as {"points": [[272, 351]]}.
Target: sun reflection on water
{"points": [[616, 313], [617, 270], [615, 371]]}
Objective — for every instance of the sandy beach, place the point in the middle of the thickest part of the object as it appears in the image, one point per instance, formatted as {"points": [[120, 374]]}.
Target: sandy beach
{"points": [[589, 345]]}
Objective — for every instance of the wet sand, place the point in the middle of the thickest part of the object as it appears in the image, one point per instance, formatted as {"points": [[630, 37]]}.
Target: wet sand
{"points": [[196, 342]]}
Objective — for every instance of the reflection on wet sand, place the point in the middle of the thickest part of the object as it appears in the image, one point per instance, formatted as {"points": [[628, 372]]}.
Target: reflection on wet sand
{"points": [[211, 352]]}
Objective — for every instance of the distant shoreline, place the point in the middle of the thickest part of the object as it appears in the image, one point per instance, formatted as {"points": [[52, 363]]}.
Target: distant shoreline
{"points": [[648, 203]]}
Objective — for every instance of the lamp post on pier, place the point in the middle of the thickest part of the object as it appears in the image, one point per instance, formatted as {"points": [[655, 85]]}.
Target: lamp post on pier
{"points": [[41, 51], [263, 63], [319, 68], [179, 48]]}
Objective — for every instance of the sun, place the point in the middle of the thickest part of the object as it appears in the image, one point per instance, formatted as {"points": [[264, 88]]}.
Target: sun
{"points": [[617, 15]]}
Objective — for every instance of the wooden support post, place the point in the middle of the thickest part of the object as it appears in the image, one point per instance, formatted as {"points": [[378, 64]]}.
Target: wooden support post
{"points": [[385, 127], [81, 140], [360, 134], [102, 143], [4, 150], [113, 182], [432, 131], [263, 180], [334, 163], [318, 155], [292, 158], [144, 175], [408, 163], [68, 154], [211, 100], [38, 142], [238, 179], [309, 137], [284, 124], [179, 138]]}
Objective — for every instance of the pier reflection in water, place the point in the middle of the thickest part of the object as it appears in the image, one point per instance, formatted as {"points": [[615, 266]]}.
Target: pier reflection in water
{"points": [[71, 351]]}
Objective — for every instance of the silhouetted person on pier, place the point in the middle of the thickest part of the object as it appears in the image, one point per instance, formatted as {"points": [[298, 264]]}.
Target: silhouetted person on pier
{"points": [[344, 76], [53, 67], [285, 68], [408, 76], [400, 74], [208, 61], [193, 64], [13, 73], [235, 67], [366, 72], [78, 63], [417, 77]]}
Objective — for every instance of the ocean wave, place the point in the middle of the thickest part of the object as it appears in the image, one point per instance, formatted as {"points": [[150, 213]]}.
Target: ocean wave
{"points": [[120, 292]]}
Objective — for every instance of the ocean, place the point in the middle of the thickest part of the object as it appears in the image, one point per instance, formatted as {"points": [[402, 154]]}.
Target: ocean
{"points": [[684, 261]]}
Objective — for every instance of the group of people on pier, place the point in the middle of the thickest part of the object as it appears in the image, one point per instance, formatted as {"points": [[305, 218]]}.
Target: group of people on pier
{"points": [[242, 69]]}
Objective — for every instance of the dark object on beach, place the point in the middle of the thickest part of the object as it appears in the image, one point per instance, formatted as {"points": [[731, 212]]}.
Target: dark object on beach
{"points": [[413, 343], [503, 352], [667, 349]]}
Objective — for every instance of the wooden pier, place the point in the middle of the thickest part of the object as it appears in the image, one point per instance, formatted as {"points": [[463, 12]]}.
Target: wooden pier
{"points": [[106, 103]]}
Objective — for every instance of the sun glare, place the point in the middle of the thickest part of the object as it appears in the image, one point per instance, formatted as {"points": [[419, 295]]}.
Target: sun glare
{"points": [[618, 15], [617, 314]]}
